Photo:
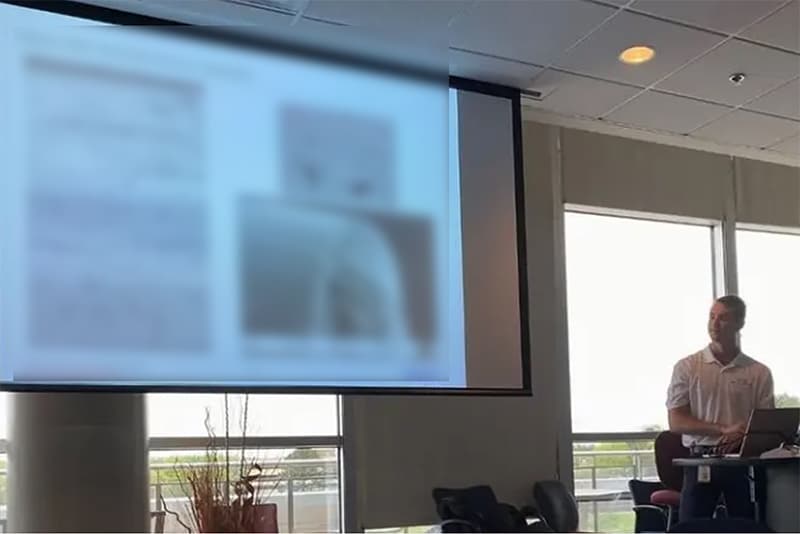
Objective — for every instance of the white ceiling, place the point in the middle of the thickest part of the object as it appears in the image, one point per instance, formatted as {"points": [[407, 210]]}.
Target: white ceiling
{"points": [[567, 50]]}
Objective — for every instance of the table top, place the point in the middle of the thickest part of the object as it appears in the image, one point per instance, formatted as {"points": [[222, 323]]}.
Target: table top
{"points": [[733, 461]]}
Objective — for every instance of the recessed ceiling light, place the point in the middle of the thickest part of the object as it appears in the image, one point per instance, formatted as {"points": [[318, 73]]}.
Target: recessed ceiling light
{"points": [[636, 55]]}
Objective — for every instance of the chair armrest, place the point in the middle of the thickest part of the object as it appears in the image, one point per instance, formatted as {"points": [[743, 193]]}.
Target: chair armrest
{"points": [[651, 518], [653, 507], [530, 511], [459, 522]]}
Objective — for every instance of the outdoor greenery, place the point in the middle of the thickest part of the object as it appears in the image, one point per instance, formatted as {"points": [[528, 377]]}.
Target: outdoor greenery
{"points": [[313, 477], [613, 466], [784, 400], [277, 470], [616, 522]]}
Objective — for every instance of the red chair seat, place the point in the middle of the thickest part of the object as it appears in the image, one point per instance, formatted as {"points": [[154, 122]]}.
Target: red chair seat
{"points": [[666, 497]]}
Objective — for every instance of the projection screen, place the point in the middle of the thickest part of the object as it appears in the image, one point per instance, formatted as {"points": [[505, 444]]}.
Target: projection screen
{"points": [[181, 212]]}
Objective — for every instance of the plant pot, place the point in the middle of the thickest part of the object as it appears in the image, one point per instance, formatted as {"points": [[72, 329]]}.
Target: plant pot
{"points": [[255, 519], [265, 518]]}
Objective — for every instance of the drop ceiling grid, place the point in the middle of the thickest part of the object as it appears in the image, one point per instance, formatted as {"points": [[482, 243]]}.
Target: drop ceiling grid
{"points": [[729, 38], [652, 87]]}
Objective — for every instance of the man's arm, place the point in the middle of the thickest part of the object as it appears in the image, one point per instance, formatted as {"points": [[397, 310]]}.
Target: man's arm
{"points": [[682, 421], [680, 415]]}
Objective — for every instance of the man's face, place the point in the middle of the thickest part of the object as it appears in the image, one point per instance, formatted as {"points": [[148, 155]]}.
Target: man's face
{"points": [[722, 323]]}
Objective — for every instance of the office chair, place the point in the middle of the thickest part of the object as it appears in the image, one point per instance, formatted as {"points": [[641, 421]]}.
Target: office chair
{"points": [[476, 509], [649, 517], [668, 446], [557, 506]]}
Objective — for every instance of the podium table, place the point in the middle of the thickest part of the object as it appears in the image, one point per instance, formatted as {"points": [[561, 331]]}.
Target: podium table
{"points": [[781, 511]]}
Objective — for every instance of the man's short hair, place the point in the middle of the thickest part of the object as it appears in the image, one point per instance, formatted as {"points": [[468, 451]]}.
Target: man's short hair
{"points": [[736, 305]]}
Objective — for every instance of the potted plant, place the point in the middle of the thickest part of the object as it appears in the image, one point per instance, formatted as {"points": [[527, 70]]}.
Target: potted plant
{"points": [[226, 495]]}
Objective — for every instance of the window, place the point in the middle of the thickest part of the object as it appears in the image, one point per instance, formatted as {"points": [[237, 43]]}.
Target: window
{"points": [[768, 267], [183, 415], [302, 482], [638, 294], [4, 410], [294, 438]]}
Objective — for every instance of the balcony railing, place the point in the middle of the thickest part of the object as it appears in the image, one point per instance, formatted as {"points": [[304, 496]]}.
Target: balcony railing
{"points": [[306, 491], [309, 485], [602, 468]]}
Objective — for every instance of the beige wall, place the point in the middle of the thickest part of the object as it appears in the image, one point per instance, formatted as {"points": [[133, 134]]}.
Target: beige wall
{"points": [[404, 446]]}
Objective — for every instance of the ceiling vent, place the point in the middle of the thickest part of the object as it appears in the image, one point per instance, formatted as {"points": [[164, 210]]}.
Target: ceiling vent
{"points": [[531, 94]]}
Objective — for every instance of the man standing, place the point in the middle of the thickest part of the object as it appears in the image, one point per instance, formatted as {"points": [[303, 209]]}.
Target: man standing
{"points": [[710, 398]]}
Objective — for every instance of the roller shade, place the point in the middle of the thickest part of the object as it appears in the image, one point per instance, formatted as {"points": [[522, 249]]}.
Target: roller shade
{"points": [[619, 173], [767, 194]]}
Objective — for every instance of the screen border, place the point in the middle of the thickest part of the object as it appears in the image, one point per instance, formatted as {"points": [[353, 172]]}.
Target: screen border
{"points": [[79, 9]]}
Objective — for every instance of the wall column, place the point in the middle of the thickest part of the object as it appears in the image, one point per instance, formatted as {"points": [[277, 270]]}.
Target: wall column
{"points": [[78, 463]]}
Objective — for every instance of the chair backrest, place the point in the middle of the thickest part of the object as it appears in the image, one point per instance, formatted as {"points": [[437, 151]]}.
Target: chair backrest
{"points": [[641, 490], [556, 505], [455, 503], [668, 446], [479, 506], [649, 518]]}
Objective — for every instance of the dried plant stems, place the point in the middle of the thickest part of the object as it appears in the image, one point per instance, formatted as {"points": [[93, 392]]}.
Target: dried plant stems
{"points": [[211, 507], [227, 454], [244, 434]]}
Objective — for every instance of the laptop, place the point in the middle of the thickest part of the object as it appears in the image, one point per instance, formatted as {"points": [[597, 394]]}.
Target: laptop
{"points": [[767, 429]]}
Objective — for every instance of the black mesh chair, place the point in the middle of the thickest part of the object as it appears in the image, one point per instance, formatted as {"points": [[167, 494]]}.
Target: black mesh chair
{"points": [[476, 509], [556, 505], [649, 517]]}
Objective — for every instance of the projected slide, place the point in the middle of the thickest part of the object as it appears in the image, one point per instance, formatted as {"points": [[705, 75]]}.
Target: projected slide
{"points": [[175, 213]]}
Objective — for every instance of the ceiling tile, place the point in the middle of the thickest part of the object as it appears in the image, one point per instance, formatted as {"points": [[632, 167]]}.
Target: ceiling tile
{"points": [[535, 32], [491, 69], [658, 111], [713, 14], [430, 15], [782, 28], [783, 101], [674, 46], [707, 78], [789, 146], [748, 128], [577, 95]]}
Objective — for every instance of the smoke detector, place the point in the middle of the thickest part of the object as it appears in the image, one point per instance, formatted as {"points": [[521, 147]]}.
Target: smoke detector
{"points": [[737, 78]]}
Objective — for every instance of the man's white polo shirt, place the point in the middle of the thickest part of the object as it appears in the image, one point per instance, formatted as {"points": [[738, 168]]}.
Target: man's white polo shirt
{"points": [[719, 393]]}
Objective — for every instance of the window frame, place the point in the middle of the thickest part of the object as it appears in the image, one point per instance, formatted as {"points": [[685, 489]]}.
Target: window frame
{"points": [[720, 251]]}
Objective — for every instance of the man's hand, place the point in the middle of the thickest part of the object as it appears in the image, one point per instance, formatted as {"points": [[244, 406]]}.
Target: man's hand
{"points": [[731, 438]]}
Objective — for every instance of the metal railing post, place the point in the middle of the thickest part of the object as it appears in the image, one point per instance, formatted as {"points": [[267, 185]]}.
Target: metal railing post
{"points": [[290, 502], [158, 490]]}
